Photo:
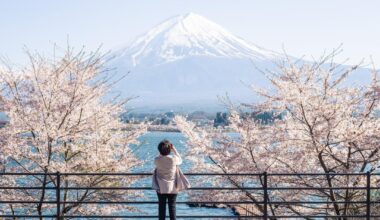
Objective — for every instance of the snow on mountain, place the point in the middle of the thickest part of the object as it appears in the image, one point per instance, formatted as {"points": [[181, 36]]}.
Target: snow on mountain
{"points": [[190, 35]]}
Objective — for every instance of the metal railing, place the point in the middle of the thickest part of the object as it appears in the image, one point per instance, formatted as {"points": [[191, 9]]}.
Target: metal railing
{"points": [[264, 203]]}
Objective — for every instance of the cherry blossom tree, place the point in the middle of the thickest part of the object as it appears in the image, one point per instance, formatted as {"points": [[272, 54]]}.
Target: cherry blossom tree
{"points": [[64, 118], [324, 125]]}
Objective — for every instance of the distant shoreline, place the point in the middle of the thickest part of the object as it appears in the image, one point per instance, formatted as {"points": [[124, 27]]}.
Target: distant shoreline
{"points": [[163, 128], [172, 128]]}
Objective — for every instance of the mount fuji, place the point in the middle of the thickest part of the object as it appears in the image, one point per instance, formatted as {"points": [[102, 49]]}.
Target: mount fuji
{"points": [[186, 62]]}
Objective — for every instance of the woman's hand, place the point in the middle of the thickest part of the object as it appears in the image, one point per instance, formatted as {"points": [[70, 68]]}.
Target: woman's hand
{"points": [[177, 156], [173, 148]]}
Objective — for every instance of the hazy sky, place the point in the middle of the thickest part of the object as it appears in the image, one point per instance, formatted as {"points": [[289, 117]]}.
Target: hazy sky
{"points": [[303, 27]]}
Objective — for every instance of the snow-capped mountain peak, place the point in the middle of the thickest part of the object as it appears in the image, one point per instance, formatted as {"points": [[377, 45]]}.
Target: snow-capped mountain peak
{"points": [[189, 35]]}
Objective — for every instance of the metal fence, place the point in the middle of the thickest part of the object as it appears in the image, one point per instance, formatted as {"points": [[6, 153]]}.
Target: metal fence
{"points": [[264, 189]]}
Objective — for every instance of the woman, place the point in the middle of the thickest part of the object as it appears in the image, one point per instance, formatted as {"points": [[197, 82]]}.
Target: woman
{"points": [[166, 178]]}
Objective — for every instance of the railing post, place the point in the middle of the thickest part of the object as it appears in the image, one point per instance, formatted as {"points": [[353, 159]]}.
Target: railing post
{"points": [[265, 186], [58, 195], [368, 212]]}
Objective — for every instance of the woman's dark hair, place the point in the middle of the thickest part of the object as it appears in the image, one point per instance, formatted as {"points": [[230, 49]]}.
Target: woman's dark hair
{"points": [[164, 147]]}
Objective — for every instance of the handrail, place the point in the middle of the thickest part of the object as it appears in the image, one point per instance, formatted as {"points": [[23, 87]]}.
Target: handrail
{"points": [[264, 202]]}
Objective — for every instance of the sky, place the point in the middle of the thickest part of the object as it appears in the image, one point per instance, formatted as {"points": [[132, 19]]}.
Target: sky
{"points": [[300, 27]]}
